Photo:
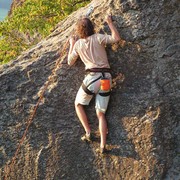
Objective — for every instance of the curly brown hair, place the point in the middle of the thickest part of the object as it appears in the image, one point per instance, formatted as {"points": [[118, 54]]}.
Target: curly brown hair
{"points": [[84, 28]]}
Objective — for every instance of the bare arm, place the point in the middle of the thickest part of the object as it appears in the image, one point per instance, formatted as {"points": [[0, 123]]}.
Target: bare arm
{"points": [[114, 31], [72, 41]]}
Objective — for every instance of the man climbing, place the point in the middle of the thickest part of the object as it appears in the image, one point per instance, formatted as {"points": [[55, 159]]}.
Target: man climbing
{"points": [[90, 47]]}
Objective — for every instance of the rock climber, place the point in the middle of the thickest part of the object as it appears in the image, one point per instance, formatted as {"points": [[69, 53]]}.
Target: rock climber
{"points": [[90, 47]]}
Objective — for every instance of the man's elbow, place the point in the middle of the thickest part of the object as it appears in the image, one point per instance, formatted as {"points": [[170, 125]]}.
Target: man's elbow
{"points": [[69, 63]]}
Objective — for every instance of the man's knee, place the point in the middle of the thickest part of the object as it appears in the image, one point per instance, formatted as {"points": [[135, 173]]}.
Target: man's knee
{"points": [[100, 114]]}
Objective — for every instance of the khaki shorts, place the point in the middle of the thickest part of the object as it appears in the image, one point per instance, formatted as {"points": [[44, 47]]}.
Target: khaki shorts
{"points": [[101, 102]]}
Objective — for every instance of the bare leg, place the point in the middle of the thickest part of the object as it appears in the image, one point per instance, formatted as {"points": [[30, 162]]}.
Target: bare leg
{"points": [[83, 117], [102, 127]]}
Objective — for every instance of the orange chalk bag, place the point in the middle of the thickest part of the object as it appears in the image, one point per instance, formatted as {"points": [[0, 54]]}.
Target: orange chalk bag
{"points": [[105, 84]]}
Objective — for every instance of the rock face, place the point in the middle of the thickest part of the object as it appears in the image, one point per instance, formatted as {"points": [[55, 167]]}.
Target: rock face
{"points": [[143, 140]]}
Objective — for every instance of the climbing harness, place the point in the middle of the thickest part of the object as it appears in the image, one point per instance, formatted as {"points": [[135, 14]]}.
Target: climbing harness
{"points": [[85, 88], [105, 82]]}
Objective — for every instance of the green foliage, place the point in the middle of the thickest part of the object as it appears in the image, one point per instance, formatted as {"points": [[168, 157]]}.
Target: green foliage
{"points": [[31, 22]]}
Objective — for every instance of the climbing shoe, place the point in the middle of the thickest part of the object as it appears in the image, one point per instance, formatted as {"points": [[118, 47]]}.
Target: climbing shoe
{"points": [[101, 150], [86, 138]]}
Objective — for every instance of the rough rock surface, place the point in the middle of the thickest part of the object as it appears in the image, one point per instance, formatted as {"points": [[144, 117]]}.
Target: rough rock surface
{"points": [[143, 140]]}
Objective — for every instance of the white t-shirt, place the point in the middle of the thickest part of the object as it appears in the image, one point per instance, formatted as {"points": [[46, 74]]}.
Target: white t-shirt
{"points": [[91, 51]]}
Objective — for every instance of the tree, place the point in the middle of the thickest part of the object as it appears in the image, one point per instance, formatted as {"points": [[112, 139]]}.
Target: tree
{"points": [[31, 22]]}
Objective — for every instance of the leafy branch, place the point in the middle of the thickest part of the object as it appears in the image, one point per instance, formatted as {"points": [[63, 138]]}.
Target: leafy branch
{"points": [[31, 21]]}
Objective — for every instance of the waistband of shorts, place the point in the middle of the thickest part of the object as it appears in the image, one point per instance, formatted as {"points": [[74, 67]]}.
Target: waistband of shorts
{"points": [[98, 70]]}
